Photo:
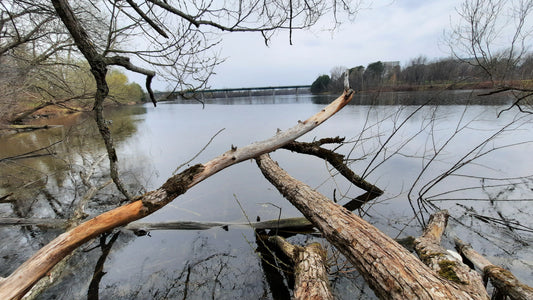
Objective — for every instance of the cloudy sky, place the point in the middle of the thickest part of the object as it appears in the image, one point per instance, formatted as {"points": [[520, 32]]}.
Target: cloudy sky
{"points": [[387, 31]]}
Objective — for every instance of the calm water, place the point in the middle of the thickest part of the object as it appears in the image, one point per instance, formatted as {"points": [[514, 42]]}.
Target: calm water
{"points": [[494, 215]]}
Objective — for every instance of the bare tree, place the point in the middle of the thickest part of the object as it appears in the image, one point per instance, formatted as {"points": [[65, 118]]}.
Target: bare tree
{"points": [[416, 71], [337, 79], [176, 40], [31, 41], [173, 41], [495, 36]]}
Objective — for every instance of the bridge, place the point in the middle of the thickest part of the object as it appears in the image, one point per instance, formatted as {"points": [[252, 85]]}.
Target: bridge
{"points": [[237, 92]]}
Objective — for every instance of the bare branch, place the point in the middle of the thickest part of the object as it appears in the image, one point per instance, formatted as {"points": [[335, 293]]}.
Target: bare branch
{"points": [[147, 19]]}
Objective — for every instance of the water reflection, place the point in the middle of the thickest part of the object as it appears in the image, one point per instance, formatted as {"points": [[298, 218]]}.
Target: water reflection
{"points": [[453, 97], [152, 142], [55, 178]]}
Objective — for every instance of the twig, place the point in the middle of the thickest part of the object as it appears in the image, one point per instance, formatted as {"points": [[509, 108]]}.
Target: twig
{"points": [[197, 154]]}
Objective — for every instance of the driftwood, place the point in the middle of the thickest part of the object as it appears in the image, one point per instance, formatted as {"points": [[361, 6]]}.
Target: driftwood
{"points": [[22, 279], [389, 269], [442, 261], [505, 283], [311, 277], [294, 224]]}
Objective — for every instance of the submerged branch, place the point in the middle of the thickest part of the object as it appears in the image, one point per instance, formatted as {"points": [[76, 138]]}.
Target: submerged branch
{"points": [[503, 280]]}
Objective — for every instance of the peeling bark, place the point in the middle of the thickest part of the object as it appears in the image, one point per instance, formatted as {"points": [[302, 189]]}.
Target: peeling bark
{"points": [[389, 269], [24, 277]]}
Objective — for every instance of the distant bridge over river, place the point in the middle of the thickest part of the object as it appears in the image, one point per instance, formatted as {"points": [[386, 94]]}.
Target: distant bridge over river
{"points": [[237, 92]]}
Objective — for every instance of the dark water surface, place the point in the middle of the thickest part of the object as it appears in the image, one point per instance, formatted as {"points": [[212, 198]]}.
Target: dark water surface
{"points": [[494, 215]]}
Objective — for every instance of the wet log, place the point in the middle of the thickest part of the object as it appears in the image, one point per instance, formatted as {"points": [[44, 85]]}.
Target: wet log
{"points": [[310, 272], [505, 283], [389, 269], [36, 267], [429, 249]]}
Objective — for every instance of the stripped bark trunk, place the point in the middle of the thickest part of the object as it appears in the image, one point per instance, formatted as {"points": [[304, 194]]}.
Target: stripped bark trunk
{"points": [[389, 269], [22, 279], [504, 281], [310, 272]]}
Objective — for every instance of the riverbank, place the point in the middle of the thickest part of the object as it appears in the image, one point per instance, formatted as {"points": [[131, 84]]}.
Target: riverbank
{"points": [[441, 86], [41, 116], [40, 119]]}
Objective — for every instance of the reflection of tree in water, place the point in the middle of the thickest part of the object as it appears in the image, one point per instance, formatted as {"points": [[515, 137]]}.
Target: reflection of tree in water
{"points": [[502, 219], [80, 279], [209, 273], [74, 149], [105, 246], [49, 183], [437, 97]]}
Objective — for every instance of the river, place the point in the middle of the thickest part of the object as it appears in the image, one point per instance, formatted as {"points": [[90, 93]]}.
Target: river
{"points": [[399, 146]]}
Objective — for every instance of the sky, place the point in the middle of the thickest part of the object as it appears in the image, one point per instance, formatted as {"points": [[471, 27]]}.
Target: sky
{"points": [[384, 31]]}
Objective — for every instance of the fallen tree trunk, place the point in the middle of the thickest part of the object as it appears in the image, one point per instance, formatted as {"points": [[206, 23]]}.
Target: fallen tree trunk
{"points": [[310, 273], [389, 269], [23, 278], [441, 260], [505, 283]]}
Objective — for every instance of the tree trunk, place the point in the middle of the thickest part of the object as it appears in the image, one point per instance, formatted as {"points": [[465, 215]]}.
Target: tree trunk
{"points": [[311, 276], [389, 269], [443, 262], [24, 277]]}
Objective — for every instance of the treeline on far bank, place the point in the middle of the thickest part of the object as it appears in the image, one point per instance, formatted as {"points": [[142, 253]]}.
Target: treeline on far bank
{"points": [[422, 74]]}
